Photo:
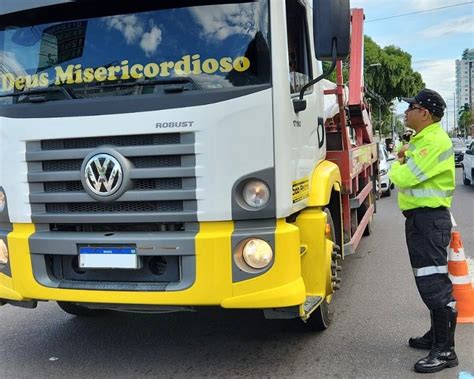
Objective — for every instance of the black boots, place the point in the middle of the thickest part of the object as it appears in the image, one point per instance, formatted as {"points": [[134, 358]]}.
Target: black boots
{"points": [[442, 353], [424, 342]]}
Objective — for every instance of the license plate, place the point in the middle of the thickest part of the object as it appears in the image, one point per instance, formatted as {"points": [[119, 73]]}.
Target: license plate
{"points": [[108, 257]]}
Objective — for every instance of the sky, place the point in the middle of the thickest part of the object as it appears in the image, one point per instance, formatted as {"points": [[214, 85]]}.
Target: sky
{"points": [[435, 39]]}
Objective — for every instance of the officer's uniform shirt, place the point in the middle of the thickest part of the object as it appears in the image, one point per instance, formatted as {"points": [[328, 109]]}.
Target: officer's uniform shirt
{"points": [[427, 179]]}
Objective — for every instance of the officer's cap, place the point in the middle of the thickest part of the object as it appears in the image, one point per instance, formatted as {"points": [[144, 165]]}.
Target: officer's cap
{"points": [[430, 100]]}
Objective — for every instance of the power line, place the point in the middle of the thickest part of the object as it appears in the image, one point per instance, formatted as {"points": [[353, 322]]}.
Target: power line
{"points": [[426, 10]]}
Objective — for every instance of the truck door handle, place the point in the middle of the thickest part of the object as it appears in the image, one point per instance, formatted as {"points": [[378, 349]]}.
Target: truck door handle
{"points": [[321, 132]]}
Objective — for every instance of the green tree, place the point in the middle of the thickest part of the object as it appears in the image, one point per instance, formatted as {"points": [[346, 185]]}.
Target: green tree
{"points": [[388, 76], [465, 120]]}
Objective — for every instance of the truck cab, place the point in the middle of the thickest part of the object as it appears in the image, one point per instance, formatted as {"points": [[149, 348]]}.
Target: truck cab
{"points": [[160, 156]]}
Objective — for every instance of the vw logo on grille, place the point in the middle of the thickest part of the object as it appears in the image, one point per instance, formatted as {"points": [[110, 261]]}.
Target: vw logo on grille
{"points": [[103, 175]]}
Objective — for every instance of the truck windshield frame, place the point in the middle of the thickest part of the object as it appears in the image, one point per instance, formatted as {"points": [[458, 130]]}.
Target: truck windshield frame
{"points": [[132, 51]]}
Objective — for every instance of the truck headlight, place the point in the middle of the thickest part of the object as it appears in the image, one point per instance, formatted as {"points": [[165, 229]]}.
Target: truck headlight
{"points": [[257, 253], [3, 201], [256, 194], [3, 253], [383, 172]]}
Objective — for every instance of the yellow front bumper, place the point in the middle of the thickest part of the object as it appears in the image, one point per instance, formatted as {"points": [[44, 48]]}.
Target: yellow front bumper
{"points": [[281, 286]]}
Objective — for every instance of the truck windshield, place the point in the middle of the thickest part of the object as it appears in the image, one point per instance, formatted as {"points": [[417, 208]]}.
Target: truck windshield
{"points": [[156, 51]]}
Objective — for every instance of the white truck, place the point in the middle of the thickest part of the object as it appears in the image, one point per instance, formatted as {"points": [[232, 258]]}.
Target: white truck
{"points": [[162, 155]]}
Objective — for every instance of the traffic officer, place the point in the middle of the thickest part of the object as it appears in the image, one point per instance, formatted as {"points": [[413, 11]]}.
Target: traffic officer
{"points": [[425, 177]]}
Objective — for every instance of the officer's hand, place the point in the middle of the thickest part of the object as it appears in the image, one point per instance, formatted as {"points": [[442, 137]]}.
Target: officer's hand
{"points": [[401, 152]]}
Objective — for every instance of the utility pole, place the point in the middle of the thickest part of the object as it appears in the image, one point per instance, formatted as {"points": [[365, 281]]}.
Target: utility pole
{"points": [[447, 118], [455, 113]]}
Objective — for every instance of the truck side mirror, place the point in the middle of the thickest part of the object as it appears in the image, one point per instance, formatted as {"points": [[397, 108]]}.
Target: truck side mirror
{"points": [[331, 23]]}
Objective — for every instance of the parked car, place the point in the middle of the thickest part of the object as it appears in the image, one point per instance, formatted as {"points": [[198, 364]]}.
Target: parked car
{"points": [[468, 165], [385, 162], [459, 148]]}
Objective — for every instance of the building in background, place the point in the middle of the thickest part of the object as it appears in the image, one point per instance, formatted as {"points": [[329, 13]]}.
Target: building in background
{"points": [[465, 80]]}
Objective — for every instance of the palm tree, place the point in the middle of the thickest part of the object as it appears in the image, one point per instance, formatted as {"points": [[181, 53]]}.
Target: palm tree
{"points": [[465, 120]]}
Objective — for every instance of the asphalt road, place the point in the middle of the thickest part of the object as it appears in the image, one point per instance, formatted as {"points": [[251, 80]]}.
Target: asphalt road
{"points": [[377, 309]]}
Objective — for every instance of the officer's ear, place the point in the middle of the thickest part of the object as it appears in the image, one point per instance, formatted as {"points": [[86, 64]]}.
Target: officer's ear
{"points": [[427, 115]]}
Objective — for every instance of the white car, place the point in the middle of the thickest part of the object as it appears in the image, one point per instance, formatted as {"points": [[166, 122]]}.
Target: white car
{"points": [[468, 165], [385, 162], [459, 147]]}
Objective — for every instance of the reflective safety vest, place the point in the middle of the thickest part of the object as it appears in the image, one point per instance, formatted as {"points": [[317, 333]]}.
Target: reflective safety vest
{"points": [[427, 178]]}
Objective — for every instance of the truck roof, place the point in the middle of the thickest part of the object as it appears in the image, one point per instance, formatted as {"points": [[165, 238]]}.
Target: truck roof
{"points": [[13, 6]]}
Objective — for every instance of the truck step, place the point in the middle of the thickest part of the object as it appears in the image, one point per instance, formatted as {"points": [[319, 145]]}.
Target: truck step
{"points": [[311, 303]]}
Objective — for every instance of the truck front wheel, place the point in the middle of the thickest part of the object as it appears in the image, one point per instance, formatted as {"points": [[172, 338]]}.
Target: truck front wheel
{"points": [[322, 316]]}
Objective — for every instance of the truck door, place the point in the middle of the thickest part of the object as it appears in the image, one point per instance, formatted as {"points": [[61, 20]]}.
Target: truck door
{"points": [[309, 136]]}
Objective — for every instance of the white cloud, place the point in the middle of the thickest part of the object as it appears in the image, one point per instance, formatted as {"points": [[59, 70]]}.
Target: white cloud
{"points": [[408, 6], [129, 25], [219, 23], [430, 4], [439, 75], [151, 40], [454, 26], [133, 30]]}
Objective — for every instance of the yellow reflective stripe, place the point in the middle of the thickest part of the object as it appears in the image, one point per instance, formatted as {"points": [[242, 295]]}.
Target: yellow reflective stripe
{"points": [[430, 270], [426, 192], [418, 172], [446, 155]]}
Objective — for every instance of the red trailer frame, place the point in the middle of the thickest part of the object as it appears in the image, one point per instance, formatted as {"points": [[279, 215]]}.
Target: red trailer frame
{"points": [[351, 145]]}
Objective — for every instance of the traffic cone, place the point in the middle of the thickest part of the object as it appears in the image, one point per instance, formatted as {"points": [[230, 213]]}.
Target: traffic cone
{"points": [[463, 291]]}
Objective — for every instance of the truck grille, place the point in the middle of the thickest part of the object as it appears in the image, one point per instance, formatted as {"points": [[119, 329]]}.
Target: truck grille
{"points": [[163, 180]]}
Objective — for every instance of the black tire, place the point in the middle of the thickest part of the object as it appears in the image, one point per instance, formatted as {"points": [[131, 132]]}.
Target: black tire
{"points": [[321, 317], [465, 180], [77, 310], [387, 193]]}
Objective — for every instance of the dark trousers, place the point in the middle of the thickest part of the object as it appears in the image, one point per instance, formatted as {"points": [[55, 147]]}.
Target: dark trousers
{"points": [[428, 232]]}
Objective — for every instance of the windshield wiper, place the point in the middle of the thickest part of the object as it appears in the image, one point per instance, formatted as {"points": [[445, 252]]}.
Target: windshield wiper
{"points": [[176, 84], [37, 95]]}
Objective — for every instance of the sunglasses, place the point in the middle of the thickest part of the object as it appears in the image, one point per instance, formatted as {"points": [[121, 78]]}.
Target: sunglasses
{"points": [[411, 107]]}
